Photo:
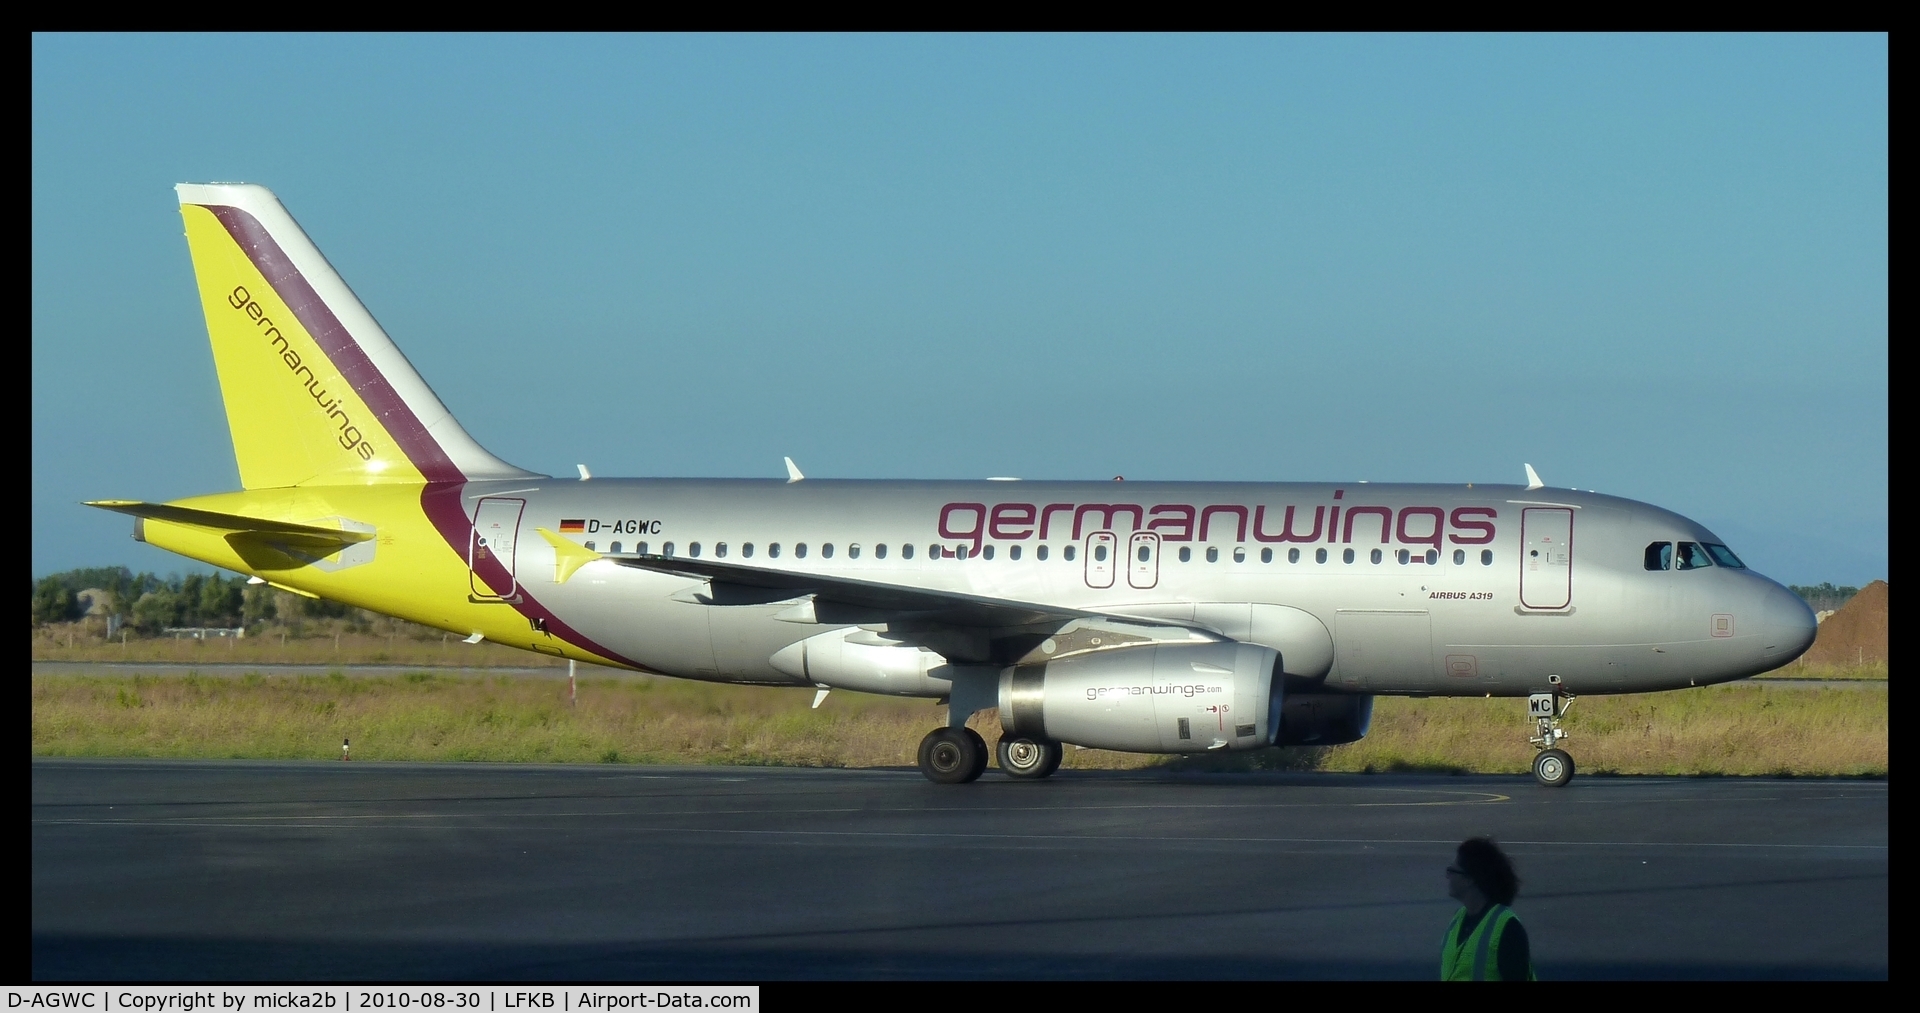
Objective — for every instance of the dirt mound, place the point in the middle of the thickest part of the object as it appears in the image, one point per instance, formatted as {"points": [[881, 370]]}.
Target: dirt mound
{"points": [[1857, 634]]}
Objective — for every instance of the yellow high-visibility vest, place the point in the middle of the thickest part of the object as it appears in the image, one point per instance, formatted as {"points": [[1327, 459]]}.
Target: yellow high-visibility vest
{"points": [[1477, 957]]}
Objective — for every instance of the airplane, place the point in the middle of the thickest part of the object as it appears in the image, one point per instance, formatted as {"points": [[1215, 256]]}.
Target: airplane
{"points": [[1152, 617]]}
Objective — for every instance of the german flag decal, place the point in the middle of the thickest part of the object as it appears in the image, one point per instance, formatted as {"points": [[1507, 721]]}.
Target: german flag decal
{"points": [[572, 525]]}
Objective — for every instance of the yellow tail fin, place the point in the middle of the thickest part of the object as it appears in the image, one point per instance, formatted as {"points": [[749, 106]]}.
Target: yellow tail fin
{"points": [[315, 391]]}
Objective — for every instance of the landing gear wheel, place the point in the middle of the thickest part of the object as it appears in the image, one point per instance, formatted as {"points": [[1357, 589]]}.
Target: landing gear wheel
{"points": [[1027, 759], [953, 755], [980, 753], [1553, 768]]}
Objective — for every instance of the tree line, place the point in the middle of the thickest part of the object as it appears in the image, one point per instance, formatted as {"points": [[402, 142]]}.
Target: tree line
{"points": [[1823, 596], [151, 604]]}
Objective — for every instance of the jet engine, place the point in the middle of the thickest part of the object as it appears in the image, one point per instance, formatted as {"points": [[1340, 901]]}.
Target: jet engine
{"points": [[1165, 698]]}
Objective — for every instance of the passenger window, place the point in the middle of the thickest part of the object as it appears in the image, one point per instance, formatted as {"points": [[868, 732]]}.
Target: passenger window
{"points": [[826, 551], [1266, 555], [1239, 554], [986, 553], [1071, 551], [746, 551], [773, 550], [1099, 553], [853, 551], [1659, 556], [1014, 552], [667, 550], [906, 551], [1144, 554], [1459, 557], [880, 551], [1319, 555], [933, 552], [1186, 554], [614, 548], [1347, 556], [1040, 553], [1403, 556], [1433, 557], [720, 550], [1693, 557], [693, 549], [959, 552], [1213, 554], [1724, 556], [590, 547], [1375, 556], [1486, 557], [799, 550]]}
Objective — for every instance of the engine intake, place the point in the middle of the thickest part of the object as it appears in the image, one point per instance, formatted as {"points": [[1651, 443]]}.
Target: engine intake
{"points": [[1167, 698]]}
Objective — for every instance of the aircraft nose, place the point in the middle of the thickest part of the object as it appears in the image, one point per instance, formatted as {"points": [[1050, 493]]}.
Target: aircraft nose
{"points": [[1790, 624]]}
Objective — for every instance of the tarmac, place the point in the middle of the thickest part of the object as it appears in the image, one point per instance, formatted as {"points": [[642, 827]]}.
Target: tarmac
{"points": [[305, 871]]}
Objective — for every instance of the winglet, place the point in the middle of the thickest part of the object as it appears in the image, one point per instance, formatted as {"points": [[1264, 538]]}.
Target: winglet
{"points": [[793, 471], [568, 555], [1533, 478]]}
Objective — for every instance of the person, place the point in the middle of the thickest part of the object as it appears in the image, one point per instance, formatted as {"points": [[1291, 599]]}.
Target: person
{"points": [[1486, 942]]}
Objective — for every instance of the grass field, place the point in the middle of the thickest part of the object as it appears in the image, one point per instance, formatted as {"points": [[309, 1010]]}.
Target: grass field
{"points": [[1745, 728]]}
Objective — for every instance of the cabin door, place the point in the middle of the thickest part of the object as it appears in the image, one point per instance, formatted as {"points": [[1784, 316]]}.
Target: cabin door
{"points": [[490, 555], [1546, 557], [1100, 553], [1143, 559]]}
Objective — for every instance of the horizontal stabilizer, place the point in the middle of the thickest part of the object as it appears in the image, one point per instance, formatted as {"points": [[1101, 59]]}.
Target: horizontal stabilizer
{"points": [[230, 522]]}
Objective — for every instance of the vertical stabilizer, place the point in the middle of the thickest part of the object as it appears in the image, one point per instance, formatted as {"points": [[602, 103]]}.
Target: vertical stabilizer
{"points": [[315, 391]]}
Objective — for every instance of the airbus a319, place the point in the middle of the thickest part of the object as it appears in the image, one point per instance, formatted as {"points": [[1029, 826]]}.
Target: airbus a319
{"points": [[1142, 616]]}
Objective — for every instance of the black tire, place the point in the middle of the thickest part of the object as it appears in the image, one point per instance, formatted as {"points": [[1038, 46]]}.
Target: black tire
{"points": [[1028, 759], [1553, 768], [980, 751], [952, 755]]}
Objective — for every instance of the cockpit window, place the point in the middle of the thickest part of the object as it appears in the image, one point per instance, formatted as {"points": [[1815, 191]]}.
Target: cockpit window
{"points": [[1693, 557], [1660, 556], [1725, 557]]}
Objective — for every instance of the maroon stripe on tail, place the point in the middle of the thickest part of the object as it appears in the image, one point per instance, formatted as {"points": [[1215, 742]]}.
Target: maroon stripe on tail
{"points": [[333, 338], [440, 500]]}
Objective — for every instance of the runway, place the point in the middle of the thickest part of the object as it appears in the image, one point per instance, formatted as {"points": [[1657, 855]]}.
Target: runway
{"points": [[159, 870]]}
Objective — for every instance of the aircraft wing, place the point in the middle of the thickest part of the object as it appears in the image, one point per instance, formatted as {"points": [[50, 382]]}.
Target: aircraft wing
{"points": [[850, 600]]}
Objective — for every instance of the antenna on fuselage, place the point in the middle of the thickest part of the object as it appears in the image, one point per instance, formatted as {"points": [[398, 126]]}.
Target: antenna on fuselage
{"points": [[793, 471], [1533, 478], [584, 473]]}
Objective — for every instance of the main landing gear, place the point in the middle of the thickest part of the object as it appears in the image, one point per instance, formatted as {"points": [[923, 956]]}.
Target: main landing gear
{"points": [[959, 755], [1028, 759], [1552, 766], [953, 755]]}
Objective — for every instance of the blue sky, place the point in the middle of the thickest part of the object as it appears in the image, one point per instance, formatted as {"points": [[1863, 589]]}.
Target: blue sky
{"points": [[1651, 266]]}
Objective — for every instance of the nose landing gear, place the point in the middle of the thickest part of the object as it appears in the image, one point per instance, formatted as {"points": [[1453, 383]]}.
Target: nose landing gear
{"points": [[1552, 766]]}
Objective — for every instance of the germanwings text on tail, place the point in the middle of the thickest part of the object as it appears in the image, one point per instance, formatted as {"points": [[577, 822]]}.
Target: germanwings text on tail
{"points": [[1153, 617]]}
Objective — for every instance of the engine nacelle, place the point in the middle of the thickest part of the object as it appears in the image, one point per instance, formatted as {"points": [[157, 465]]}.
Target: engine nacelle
{"points": [[840, 659], [1324, 719], [1165, 698]]}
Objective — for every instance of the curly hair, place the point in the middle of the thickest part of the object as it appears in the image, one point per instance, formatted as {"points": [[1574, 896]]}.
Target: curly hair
{"points": [[1489, 868]]}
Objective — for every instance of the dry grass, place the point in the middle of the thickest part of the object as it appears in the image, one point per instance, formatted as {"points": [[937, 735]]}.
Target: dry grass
{"points": [[338, 646], [1738, 729]]}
